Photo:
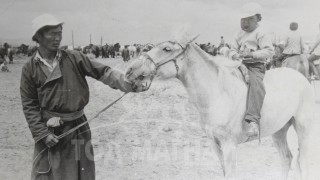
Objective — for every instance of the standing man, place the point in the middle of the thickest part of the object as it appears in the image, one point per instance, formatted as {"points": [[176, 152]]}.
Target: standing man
{"points": [[125, 54], [293, 43], [252, 46], [314, 55], [54, 92], [222, 42]]}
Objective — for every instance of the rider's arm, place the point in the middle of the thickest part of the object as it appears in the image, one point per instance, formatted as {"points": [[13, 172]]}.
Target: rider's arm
{"points": [[266, 49], [316, 44]]}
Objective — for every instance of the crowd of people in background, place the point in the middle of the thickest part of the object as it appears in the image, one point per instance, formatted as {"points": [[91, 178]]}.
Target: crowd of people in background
{"points": [[291, 44]]}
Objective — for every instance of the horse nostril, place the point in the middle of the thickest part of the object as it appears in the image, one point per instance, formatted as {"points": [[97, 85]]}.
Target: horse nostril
{"points": [[141, 77]]}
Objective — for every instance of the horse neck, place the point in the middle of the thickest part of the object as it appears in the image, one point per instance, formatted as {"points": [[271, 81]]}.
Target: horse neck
{"points": [[200, 77], [215, 93]]}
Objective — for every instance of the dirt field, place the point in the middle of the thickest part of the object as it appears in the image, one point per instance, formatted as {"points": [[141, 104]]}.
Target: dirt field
{"points": [[150, 135]]}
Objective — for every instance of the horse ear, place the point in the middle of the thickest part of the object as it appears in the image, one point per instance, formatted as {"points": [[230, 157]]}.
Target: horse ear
{"points": [[193, 38]]}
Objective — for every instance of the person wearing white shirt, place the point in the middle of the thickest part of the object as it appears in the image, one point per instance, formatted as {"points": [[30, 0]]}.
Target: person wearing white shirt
{"points": [[253, 46], [293, 43]]}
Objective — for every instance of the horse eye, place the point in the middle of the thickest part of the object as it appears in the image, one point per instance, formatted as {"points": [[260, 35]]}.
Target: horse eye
{"points": [[167, 49]]}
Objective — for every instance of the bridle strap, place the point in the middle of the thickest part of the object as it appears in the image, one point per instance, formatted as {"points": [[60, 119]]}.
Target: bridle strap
{"points": [[161, 63]]}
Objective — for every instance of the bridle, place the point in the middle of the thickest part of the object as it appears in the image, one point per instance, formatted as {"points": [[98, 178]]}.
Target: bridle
{"points": [[163, 62]]}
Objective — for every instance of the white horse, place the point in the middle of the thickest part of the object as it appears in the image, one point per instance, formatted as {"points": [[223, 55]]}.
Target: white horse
{"points": [[219, 93]]}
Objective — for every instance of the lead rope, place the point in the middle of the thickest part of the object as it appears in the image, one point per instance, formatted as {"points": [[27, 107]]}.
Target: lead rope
{"points": [[82, 124]]}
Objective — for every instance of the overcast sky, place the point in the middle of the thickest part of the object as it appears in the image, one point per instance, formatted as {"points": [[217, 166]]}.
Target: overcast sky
{"points": [[142, 21]]}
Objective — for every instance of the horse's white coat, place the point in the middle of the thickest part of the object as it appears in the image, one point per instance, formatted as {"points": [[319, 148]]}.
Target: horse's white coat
{"points": [[220, 97]]}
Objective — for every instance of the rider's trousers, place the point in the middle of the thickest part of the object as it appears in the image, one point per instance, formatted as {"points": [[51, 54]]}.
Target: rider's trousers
{"points": [[256, 91]]}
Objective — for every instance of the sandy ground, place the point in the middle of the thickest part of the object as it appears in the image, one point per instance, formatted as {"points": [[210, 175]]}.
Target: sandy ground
{"points": [[150, 135]]}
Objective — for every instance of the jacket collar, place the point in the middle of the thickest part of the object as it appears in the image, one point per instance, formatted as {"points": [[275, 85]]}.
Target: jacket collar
{"points": [[56, 73], [36, 57]]}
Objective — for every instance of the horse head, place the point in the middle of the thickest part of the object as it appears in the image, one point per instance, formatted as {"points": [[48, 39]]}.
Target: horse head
{"points": [[162, 61]]}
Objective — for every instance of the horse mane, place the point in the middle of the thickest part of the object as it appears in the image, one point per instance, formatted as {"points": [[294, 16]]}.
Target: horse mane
{"points": [[220, 62], [227, 68]]}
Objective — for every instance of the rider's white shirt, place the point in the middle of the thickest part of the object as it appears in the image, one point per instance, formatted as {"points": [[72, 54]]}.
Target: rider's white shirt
{"points": [[258, 41]]}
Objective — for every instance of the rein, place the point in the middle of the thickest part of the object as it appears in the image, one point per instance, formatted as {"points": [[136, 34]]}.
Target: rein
{"points": [[78, 126]]}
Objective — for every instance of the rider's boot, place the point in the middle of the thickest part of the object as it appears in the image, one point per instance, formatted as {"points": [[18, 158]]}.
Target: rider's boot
{"points": [[252, 129]]}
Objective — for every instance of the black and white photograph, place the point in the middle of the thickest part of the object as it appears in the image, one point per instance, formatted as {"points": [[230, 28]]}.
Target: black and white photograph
{"points": [[160, 89]]}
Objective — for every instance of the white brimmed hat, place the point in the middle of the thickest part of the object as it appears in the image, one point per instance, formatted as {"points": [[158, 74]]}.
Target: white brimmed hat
{"points": [[250, 9], [42, 21]]}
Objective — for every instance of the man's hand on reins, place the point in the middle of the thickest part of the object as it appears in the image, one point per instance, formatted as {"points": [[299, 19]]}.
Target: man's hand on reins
{"points": [[246, 54], [139, 86], [51, 140], [139, 78]]}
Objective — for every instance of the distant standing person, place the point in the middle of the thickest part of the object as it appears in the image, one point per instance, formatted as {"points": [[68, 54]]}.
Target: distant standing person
{"points": [[314, 55], [54, 92], [293, 43], [138, 50], [222, 42], [8, 52], [125, 54]]}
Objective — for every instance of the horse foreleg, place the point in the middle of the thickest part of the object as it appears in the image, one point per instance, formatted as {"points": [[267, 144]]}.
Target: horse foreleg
{"points": [[280, 141]]}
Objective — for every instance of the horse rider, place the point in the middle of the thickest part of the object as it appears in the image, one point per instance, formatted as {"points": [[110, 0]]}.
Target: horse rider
{"points": [[314, 55], [54, 92], [253, 46], [293, 43]]}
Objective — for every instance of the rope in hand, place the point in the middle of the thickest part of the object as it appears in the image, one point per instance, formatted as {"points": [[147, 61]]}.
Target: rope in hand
{"points": [[82, 124]]}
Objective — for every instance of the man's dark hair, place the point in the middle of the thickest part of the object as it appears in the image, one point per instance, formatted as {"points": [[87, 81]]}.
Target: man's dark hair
{"points": [[42, 30], [259, 17], [294, 26]]}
